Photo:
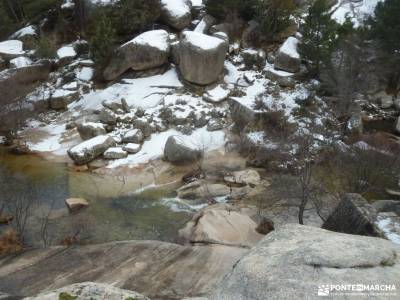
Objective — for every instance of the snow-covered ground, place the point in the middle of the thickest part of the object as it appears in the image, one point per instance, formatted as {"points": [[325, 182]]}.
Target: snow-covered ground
{"points": [[357, 11], [145, 92], [154, 147], [154, 94]]}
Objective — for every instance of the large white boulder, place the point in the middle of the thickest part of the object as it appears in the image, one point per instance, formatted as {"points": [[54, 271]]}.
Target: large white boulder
{"points": [[148, 50], [293, 261], [218, 224], [201, 57], [288, 58], [90, 149], [176, 13]]}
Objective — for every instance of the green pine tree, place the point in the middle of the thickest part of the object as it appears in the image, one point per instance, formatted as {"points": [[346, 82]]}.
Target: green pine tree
{"points": [[274, 17], [385, 25], [320, 36], [225, 9], [102, 41]]}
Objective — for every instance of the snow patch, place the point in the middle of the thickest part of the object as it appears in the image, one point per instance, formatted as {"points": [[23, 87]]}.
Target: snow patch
{"points": [[217, 94], [20, 62], [12, 47], [155, 38], [28, 30], [140, 93], [202, 41], [154, 147], [289, 47], [66, 51], [176, 8]]}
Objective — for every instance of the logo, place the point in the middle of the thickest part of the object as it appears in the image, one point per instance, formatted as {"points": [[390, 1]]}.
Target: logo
{"points": [[356, 289], [323, 290]]}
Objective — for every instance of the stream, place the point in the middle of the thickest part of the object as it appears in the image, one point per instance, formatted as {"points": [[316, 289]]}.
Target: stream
{"points": [[116, 212]]}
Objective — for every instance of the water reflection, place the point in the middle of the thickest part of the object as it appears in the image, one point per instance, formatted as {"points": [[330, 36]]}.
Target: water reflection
{"points": [[112, 215]]}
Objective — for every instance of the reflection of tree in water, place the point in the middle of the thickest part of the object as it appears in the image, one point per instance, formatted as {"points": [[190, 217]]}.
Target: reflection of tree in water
{"points": [[30, 203]]}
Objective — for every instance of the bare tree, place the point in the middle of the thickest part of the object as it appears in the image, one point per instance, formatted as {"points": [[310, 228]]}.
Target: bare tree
{"points": [[13, 117], [300, 187], [18, 198], [21, 205], [365, 167], [81, 14], [45, 225]]}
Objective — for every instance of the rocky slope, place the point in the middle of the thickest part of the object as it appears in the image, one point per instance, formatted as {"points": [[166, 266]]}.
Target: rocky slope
{"points": [[178, 93], [295, 261], [156, 269]]}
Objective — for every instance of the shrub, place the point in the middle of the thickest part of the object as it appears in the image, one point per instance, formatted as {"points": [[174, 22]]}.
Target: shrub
{"points": [[10, 242], [319, 36], [46, 47], [223, 9], [274, 17], [102, 41], [35, 8], [7, 26], [276, 123], [385, 25], [385, 29], [127, 17], [66, 296], [253, 59], [14, 14], [133, 16]]}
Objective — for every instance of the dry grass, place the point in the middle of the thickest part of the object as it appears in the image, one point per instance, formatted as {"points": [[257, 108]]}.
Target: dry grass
{"points": [[10, 242]]}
